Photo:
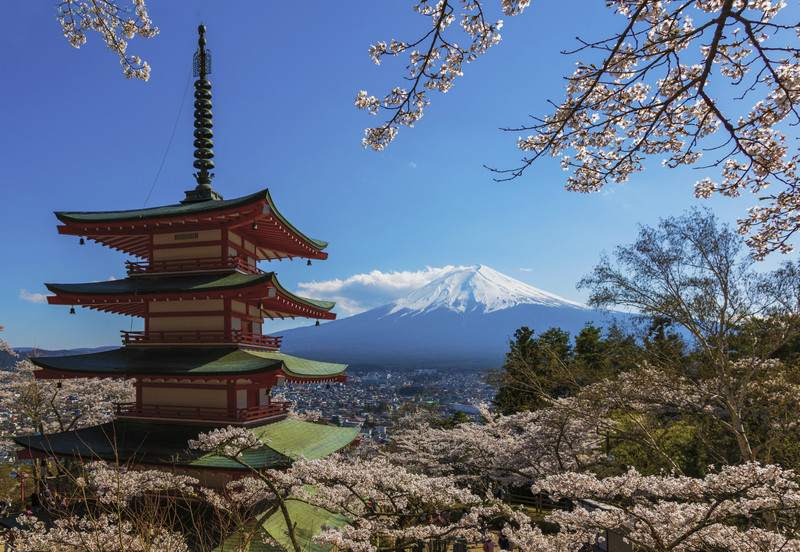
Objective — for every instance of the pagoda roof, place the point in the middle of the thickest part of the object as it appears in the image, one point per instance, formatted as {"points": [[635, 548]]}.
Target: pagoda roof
{"points": [[204, 362], [308, 522], [129, 230], [129, 295], [166, 444]]}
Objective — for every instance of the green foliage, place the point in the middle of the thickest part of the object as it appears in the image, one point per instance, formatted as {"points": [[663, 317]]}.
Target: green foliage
{"points": [[548, 366], [678, 440], [543, 367], [458, 417], [723, 398]]}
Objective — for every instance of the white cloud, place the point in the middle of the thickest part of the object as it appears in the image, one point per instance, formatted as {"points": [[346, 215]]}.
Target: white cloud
{"points": [[26, 295], [362, 292], [526, 269], [412, 165]]}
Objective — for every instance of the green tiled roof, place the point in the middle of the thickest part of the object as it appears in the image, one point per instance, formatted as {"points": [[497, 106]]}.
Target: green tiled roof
{"points": [[323, 305], [197, 283], [165, 211], [164, 284], [295, 438], [181, 210], [289, 439], [178, 361], [248, 539], [309, 523], [308, 520], [166, 444], [296, 366]]}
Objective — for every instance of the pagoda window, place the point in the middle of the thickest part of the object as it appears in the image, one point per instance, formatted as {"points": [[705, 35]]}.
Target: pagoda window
{"points": [[183, 323], [235, 239], [256, 327], [187, 237], [180, 253], [241, 398], [196, 305], [172, 396], [236, 323], [238, 306]]}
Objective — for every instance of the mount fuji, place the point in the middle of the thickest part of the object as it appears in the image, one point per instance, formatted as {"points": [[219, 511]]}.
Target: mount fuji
{"points": [[463, 319]]}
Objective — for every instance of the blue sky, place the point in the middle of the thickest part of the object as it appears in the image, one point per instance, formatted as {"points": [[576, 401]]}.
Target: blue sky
{"points": [[76, 135]]}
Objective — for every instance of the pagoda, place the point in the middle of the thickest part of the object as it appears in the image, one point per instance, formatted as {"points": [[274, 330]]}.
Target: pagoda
{"points": [[202, 360]]}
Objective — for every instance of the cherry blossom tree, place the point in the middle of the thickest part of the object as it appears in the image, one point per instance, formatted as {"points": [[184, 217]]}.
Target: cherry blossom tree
{"points": [[49, 406], [116, 21], [5, 347], [392, 507], [388, 507], [111, 508], [711, 83], [748, 507], [434, 60], [692, 271], [506, 450]]}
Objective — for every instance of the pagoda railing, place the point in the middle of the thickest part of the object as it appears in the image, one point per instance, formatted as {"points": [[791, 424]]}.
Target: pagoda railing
{"points": [[200, 337], [135, 268], [272, 411]]}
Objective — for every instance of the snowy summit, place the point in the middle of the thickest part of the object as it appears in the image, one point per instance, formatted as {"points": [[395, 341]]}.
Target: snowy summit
{"points": [[476, 288], [462, 320]]}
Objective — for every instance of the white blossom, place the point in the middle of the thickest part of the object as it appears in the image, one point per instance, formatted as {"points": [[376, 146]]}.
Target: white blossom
{"points": [[230, 441], [709, 81], [115, 22], [50, 406], [437, 67]]}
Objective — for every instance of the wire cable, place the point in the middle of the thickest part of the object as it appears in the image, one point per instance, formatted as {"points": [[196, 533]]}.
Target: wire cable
{"points": [[174, 128]]}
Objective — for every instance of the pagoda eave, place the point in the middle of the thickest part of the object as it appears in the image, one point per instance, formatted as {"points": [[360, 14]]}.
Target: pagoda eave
{"points": [[208, 381], [255, 216], [136, 306], [165, 444], [131, 296], [198, 363], [341, 378]]}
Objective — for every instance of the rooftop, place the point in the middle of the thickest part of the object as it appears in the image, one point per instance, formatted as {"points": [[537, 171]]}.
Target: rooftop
{"points": [[152, 443], [187, 361]]}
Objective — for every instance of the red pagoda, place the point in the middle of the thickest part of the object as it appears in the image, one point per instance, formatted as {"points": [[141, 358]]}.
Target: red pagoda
{"points": [[202, 360]]}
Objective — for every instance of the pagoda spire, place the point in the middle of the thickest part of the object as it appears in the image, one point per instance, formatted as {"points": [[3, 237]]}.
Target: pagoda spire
{"points": [[202, 123]]}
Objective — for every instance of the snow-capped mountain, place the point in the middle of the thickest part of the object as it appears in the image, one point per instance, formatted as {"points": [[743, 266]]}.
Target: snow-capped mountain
{"points": [[463, 319], [476, 288]]}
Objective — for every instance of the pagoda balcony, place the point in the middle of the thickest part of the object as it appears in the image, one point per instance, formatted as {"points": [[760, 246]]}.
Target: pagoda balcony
{"points": [[240, 416], [201, 337], [144, 268]]}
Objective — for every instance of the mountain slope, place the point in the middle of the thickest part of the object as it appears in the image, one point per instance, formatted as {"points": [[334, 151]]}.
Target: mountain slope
{"points": [[463, 319], [477, 288]]}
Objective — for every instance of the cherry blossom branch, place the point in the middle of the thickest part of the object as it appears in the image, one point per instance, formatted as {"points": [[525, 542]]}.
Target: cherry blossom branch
{"points": [[106, 18], [406, 106]]}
